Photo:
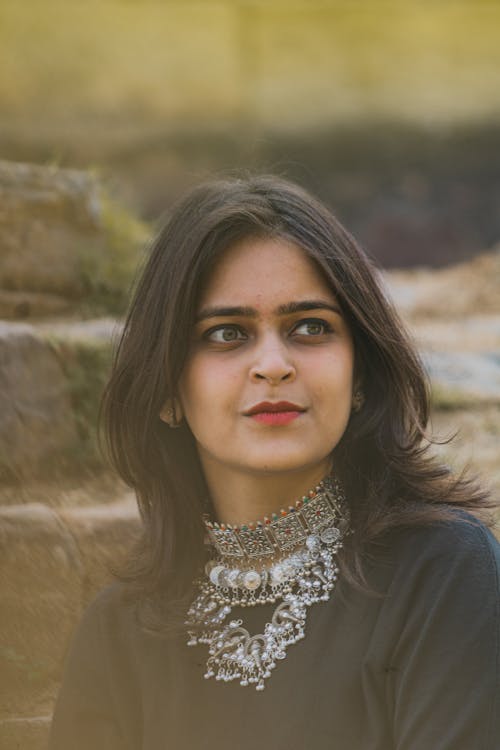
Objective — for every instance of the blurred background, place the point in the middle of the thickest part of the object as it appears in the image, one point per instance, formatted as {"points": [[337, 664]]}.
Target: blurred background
{"points": [[389, 110]]}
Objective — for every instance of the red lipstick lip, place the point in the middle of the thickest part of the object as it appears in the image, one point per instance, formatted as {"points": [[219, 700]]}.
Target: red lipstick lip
{"points": [[270, 407]]}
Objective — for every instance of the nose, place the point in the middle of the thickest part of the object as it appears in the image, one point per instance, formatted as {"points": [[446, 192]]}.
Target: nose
{"points": [[272, 363]]}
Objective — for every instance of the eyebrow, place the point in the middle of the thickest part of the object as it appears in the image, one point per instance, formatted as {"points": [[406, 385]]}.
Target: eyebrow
{"points": [[289, 308]]}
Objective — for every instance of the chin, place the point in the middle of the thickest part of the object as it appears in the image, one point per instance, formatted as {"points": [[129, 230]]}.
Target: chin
{"points": [[291, 463]]}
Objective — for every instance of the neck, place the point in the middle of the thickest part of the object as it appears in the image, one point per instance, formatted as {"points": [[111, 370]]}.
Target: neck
{"points": [[240, 498]]}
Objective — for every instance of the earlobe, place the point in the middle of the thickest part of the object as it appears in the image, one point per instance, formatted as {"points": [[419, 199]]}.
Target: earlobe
{"points": [[358, 399], [171, 413]]}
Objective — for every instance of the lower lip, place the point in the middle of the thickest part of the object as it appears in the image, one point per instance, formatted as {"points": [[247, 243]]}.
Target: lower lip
{"points": [[276, 417]]}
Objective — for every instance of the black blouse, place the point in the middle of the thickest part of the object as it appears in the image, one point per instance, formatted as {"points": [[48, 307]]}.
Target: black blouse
{"points": [[414, 667]]}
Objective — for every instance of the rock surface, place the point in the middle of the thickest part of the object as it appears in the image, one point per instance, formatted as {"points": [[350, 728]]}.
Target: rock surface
{"points": [[46, 217], [41, 585], [104, 533], [474, 376], [454, 316], [36, 420], [51, 566], [25, 733], [452, 293], [20, 305]]}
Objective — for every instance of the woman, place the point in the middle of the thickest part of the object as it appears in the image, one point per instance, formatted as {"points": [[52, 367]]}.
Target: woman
{"points": [[308, 577]]}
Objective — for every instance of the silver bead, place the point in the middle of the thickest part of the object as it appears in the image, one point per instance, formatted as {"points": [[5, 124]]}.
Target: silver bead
{"points": [[330, 535], [232, 577], [278, 574], [208, 567], [214, 574], [312, 543], [251, 580]]}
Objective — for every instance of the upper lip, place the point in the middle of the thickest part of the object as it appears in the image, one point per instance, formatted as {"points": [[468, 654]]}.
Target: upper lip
{"points": [[273, 407]]}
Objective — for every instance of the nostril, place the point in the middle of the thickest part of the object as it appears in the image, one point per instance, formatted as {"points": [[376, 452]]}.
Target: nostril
{"points": [[274, 367], [273, 378]]}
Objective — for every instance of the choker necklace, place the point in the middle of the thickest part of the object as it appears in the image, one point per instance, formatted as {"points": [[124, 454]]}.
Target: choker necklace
{"points": [[289, 558]]}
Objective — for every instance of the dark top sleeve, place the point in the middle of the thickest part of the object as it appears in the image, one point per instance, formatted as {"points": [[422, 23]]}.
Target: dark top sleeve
{"points": [[84, 717], [442, 621]]}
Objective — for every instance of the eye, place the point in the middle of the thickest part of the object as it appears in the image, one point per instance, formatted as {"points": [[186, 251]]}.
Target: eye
{"points": [[225, 334], [312, 327]]}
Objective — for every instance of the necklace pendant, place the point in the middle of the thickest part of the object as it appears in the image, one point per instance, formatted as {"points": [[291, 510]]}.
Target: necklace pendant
{"points": [[252, 580], [305, 575]]}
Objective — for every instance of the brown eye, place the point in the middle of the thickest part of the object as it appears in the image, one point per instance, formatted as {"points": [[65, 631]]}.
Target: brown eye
{"points": [[313, 327], [226, 334]]}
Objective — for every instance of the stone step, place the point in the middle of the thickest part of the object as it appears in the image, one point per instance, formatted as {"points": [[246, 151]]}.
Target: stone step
{"points": [[472, 377], [46, 215], [25, 732], [64, 243], [52, 377], [52, 563]]}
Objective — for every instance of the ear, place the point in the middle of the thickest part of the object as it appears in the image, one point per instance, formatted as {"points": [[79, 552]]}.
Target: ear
{"points": [[358, 396], [171, 412], [357, 384]]}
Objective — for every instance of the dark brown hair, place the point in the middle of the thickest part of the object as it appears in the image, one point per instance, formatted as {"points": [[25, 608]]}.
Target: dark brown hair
{"points": [[382, 459]]}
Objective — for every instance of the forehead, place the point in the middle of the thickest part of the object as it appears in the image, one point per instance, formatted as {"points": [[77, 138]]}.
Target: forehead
{"points": [[264, 270]]}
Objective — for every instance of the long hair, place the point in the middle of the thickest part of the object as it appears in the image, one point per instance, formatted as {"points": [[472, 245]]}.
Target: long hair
{"points": [[383, 461]]}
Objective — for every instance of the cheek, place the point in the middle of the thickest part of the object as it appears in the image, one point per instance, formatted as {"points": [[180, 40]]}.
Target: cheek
{"points": [[189, 391], [205, 387], [335, 377]]}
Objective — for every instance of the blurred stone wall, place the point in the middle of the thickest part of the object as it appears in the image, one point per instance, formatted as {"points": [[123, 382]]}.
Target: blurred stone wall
{"points": [[389, 110], [276, 64]]}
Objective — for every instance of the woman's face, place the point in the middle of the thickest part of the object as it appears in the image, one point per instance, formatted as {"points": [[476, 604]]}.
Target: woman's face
{"points": [[267, 386]]}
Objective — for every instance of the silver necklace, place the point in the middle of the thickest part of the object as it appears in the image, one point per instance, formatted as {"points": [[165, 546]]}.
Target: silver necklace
{"points": [[288, 559]]}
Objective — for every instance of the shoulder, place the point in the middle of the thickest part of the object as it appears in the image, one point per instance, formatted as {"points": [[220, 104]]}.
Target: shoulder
{"points": [[437, 632], [457, 558], [462, 539], [109, 602], [109, 616], [439, 594]]}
